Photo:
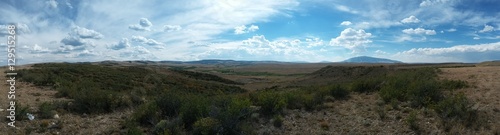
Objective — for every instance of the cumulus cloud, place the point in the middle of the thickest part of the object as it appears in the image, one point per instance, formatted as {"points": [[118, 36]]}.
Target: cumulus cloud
{"points": [[124, 43], [487, 28], [419, 31], [171, 28], [38, 49], [352, 39], [243, 29], [345, 23], [260, 48], [86, 33], [85, 53], [80, 36], [144, 40], [144, 25], [138, 53], [380, 52], [313, 42], [411, 19]]}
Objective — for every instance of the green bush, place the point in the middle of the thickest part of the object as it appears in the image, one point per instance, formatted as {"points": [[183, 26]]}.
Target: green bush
{"points": [[206, 126], [295, 99], [418, 86], [233, 113], [456, 107], [423, 92], [338, 92], [170, 103], [146, 114], [278, 121], [270, 102], [195, 108], [46, 110], [21, 111], [366, 85], [453, 84], [412, 121]]}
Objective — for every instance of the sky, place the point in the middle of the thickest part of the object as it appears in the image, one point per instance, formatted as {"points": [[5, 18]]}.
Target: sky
{"points": [[411, 31]]}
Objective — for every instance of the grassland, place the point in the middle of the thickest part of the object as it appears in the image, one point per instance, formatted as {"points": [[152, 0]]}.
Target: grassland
{"points": [[149, 98]]}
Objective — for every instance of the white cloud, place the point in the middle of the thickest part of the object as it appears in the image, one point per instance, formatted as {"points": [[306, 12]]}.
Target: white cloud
{"points": [[86, 33], [21, 28], [352, 39], [411, 19], [144, 25], [313, 42], [74, 41], [346, 9], [51, 3], [253, 28], [137, 53], [243, 29], [81, 36], [451, 30], [464, 53], [345, 23], [419, 31], [476, 38], [84, 53], [144, 40], [69, 5], [38, 49], [124, 43], [487, 28], [260, 48], [380, 52], [432, 2], [171, 28]]}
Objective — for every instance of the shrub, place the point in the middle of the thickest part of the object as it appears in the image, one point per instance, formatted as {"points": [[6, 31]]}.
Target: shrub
{"points": [[338, 92], [366, 85], [381, 112], [194, 109], [170, 103], [456, 107], [233, 113], [453, 84], [271, 102], [295, 99], [412, 121], [206, 126], [146, 114], [21, 111], [46, 110], [278, 121], [423, 92]]}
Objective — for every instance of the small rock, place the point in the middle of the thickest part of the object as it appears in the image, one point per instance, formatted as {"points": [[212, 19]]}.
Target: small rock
{"points": [[30, 116], [56, 116]]}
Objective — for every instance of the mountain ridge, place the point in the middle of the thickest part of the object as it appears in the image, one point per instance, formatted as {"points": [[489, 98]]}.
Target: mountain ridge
{"points": [[368, 59]]}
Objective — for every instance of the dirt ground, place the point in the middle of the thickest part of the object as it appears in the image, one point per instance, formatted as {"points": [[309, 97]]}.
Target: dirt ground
{"points": [[485, 92]]}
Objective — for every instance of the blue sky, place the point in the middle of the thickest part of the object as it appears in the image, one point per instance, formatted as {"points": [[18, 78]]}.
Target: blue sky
{"points": [[281, 30]]}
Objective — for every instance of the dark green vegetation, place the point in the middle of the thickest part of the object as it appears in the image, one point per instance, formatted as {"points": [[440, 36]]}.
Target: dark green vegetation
{"points": [[175, 101]]}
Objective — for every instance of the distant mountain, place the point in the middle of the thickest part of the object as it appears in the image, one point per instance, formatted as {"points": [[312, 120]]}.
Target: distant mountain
{"points": [[366, 59]]}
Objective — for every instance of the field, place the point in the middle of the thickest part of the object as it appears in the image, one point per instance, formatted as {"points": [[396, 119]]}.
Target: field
{"points": [[138, 97]]}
